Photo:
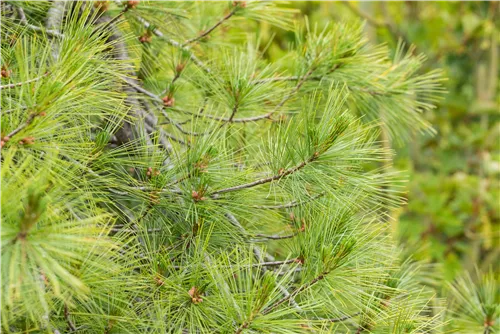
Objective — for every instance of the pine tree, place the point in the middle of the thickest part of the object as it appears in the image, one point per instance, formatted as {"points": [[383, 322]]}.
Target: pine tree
{"points": [[160, 175]]}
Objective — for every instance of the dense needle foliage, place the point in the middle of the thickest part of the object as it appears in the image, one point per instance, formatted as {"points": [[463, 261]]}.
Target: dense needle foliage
{"points": [[160, 175]]}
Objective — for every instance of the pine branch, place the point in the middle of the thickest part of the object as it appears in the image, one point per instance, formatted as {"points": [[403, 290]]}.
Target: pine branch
{"points": [[344, 318], [258, 253], [371, 20], [289, 204], [277, 237], [23, 125], [296, 88], [24, 21], [175, 44], [267, 179], [55, 16], [212, 28], [224, 119], [393, 30], [71, 326], [273, 263], [24, 82], [294, 293], [116, 18]]}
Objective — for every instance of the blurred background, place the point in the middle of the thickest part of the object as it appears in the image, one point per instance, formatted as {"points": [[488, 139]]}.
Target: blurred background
{"points": [[452, 216]]}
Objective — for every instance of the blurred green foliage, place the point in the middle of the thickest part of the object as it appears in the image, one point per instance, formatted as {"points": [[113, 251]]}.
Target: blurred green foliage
{"points": [[452, 217]]}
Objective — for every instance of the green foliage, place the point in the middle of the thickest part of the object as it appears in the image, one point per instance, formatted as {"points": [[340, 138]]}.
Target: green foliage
{"points": [[161, 179]]}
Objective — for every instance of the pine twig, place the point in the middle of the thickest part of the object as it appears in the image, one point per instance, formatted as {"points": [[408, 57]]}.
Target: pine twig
{"points": [[277, 237], [289, 204], [224, 119], [267, 179], [296, 88], [55, 16], [116, 18], [273, 263], [395, 33], [22, 126], [71, 325], [294, 293], [344, 318], [12, 85], [371, 20], [24, 21], [212, 28], [175, 44]]}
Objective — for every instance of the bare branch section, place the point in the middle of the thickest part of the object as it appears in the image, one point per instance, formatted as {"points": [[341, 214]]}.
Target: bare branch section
{"points": [[267, 179], [12, 85], [55, 16], [71, 325], [120, 52], [24, 21], [212, 28], [276, 237]]}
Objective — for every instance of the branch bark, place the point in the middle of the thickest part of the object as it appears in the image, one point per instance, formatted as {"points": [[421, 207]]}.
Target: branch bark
{"points": [[212, 28], [267, 179]]}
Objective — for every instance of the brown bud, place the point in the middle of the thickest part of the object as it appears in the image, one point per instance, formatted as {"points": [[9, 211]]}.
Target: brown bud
{"points": [[159, 281], [42, 114], [168, 101], [242, 4], [5, 72], [6, 138], [131, 4], [2, 143], [281, 171], [146, 38], [489, 322], [180, 67], [102, 6], [27, 140], [195, 195], [195, 295]]}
